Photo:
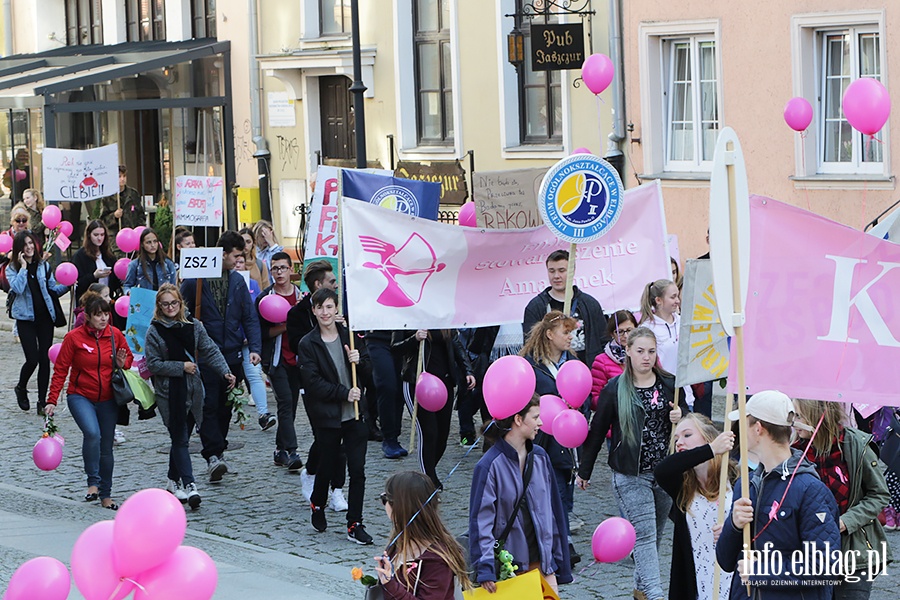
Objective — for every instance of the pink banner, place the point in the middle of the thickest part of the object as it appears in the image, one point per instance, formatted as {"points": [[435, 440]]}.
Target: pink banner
{"points": [[407, 273], [822, 321]]}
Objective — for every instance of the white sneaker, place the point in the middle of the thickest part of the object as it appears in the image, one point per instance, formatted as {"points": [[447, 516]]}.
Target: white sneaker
{"points": [[337, 502], [174, 488], [307, 482], [192, 495], [118, 438]]}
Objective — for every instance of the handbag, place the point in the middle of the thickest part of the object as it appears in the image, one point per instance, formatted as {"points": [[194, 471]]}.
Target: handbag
{"points": [[60, 316], [122, 393], [499, 542], [376, 592]]}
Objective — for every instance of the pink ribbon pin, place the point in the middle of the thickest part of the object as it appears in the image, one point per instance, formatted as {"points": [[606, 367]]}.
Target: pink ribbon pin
{"points": [[841, 475], [654, 402], [773, 512]]}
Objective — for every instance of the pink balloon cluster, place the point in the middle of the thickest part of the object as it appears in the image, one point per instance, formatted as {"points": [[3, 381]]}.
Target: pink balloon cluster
{"points": [[274, 308], [128, 240], [867, 105], [613, 540], [142, 549], [431, 393]]}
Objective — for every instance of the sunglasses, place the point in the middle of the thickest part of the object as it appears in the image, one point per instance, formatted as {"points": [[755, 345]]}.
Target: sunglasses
{"points": [[21, 220], [385, 498]]}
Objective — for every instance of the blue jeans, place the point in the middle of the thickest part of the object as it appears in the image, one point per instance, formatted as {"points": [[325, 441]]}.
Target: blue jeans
{"points": [[180, 426], [386, 373], [97, 421], [253, 375]]}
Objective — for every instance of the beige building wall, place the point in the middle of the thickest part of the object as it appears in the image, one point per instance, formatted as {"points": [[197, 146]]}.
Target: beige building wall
{"points": [[766, 56]]}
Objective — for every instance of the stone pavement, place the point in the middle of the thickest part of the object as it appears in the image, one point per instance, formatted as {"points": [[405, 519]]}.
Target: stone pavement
{"points": [[256, 523]]}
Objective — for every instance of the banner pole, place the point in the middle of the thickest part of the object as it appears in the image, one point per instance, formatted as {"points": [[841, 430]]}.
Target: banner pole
{"points": [[570, 278], [723, 489], [415, 412], [119, 206], [340, 244]]}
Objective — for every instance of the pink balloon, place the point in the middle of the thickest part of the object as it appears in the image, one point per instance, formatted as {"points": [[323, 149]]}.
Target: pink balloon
{"points": [[20, 174], [138, 231], [126, 240], [550, 407], [467, 217], [66, 228], [123, 303], [274, 308], [66, 273], [6, 242], [188, 574], [570, 428], [121, 268], [47, 454], [508, 386], [41, 578], [53, 352], [597, 72], [613, 540], [51, 216], [866, 105], [148, 528], [431, 393], [573, 382], [92, 565], [581, 151], [798, 113]]}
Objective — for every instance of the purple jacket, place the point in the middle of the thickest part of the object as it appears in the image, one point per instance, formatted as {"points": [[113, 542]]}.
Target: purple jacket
{"points": [[496, 487]]}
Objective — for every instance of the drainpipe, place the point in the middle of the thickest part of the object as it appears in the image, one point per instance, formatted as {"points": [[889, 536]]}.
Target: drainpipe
{"points": [[262, 153], [7, 28], [614, 153]]}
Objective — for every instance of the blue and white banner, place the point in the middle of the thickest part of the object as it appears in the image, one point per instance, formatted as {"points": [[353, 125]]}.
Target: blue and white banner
{"points": [[407, 196]]}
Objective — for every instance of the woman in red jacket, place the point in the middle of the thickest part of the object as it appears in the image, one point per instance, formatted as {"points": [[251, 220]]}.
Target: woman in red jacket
{"points": [[611, 361], [88, 352]]}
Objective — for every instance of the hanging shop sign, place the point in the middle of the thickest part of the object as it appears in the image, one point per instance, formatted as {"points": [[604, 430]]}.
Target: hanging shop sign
{"points": [[449, 173], [557, 47]]}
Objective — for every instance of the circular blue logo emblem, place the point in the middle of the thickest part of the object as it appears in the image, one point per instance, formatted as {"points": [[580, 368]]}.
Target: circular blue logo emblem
{"points": [[396, 198], [581, 198]]}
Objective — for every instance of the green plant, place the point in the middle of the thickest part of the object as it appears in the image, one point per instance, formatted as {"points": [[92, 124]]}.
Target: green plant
{"points": [[162, 224]]}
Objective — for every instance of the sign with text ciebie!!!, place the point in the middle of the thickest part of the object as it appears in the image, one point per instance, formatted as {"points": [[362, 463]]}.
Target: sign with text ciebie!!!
{"points": [[580, 198], [557, 47], [198, 201], [80, 175], [200, 263]]}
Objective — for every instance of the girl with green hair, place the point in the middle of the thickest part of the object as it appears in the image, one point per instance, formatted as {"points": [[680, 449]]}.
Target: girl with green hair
{"points": [[640, 406]]}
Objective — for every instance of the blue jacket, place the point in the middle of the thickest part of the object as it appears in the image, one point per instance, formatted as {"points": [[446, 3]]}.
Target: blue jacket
{"points": [[809, 514], [239, 321], [23, 303], [165, 273], [496, 487]]}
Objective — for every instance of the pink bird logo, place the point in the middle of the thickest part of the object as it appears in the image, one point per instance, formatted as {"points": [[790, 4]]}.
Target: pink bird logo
{"points": [[406, 269]]}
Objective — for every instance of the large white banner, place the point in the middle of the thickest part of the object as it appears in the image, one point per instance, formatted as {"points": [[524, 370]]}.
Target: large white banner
{"points": [[198, 201], [80, 175]]}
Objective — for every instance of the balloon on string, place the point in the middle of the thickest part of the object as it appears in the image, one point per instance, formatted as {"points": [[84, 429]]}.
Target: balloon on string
{"points": [[53, 352], [47, 453], [66, 228], [122, 305], [51, 216], [126, 240], [41, 578], [597, 72], [613, 540], [431, 393], [92, 564], [149, 526], [574, 382], [581, 151], [550, 407], [798, 113], [138, 231], [274, 308], [188, 574], [121, 268], [570, 428], [467, 217], [867, 105], [508, 386], [6, 242], [66, 273]]}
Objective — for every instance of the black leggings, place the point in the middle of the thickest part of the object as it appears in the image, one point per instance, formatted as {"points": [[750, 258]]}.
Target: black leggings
{"points": [[433, 431], [36, 338]]}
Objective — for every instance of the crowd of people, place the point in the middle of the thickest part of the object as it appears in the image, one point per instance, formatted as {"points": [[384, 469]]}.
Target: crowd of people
{"points": [[815, 479]]}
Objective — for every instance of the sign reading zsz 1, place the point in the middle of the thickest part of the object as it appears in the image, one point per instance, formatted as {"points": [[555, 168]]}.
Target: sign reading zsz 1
{"points": [[200, 263], [580, 198], [557, 47]]}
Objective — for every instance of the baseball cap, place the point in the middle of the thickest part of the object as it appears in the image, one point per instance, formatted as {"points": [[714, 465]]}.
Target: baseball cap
{"points": [[770, 406]]}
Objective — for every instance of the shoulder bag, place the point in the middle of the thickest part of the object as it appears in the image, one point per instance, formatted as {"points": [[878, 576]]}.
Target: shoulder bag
{"points": [[501, 541], [376, 592], [59, 316], [122, 393]]}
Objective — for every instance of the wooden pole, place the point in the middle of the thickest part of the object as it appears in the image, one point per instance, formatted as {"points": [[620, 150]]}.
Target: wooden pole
{"points": [[353, 378], [570, 278], [723, 489], [119, 207], [415, 412], [340, 274]]}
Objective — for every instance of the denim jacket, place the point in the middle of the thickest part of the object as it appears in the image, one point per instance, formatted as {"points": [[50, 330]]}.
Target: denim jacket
{"points": [[165, 273], [23, 304]]}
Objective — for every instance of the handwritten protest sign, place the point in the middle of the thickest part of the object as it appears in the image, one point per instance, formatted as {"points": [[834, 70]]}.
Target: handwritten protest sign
{"points": [[198, 201], [80, 175], [508, 199]]}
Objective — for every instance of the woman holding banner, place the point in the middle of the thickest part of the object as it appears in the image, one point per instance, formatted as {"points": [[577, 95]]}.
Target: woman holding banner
{"points": [[639, 405], [152, 267]]}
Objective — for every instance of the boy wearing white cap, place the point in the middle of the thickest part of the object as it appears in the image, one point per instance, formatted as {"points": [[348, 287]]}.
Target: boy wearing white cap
{"points": [[793, 516]]}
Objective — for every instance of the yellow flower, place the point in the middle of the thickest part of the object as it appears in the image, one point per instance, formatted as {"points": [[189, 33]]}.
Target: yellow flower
{"points": [[356, 573]]}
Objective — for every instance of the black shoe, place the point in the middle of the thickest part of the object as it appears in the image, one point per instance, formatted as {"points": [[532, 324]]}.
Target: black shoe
{"points": [[267, 421], [375, 434], [356, 532], [40, 408], [280, 457], [318, 518], [294, 464], [574, 557], [22, 398]]}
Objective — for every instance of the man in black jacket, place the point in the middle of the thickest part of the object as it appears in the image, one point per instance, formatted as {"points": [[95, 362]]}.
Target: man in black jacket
{"points": [[332, 403]]}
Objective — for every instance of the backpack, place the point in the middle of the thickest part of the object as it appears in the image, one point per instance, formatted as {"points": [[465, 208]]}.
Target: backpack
{"points": [[4, 280]]}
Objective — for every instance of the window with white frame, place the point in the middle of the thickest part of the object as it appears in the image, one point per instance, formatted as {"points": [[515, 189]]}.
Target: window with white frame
{"points": [[434, 87], [334, 17], [843, 56], [540, 92], [691, 97]]}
